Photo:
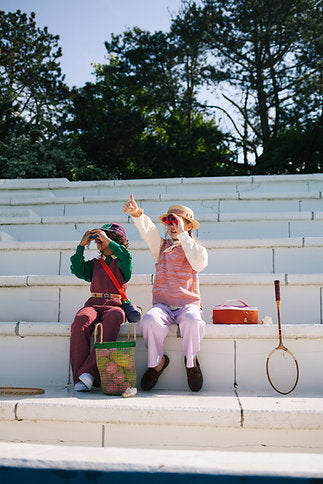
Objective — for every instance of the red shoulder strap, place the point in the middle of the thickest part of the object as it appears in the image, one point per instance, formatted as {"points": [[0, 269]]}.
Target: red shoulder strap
{"points": [[113, 279]]}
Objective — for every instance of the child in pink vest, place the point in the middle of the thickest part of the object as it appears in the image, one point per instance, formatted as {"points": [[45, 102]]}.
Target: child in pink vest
{"points": [[176, 294], [104, 305]]}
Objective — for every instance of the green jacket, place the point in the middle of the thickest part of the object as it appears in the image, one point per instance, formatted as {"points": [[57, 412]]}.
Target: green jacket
{"points": [[84, 269]]}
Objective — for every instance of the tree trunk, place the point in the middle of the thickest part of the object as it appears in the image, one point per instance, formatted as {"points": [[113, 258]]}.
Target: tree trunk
{"points": [[262, 107]]}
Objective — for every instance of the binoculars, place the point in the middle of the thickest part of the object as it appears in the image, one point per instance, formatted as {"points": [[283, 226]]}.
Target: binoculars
{"points": [[93, 236], [169, 219]]}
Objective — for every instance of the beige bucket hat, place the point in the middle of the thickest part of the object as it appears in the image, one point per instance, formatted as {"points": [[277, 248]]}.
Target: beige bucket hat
{"points": [[183, 212]]}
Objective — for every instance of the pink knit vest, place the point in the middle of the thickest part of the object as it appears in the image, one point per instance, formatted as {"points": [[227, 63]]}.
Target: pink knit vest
{"points": [[175, 282]]}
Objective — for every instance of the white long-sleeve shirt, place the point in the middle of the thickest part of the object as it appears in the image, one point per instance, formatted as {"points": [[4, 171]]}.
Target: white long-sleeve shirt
{"points": [[195, 253]]}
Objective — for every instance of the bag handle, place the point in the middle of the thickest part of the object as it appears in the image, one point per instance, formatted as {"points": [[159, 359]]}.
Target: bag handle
{"points": [[133, 326], [234, 300], [100, 325], [114, 280]]}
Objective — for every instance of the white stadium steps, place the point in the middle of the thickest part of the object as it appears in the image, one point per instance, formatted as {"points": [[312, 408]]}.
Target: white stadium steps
{"points": [[232, 357], [57, 298], [160, 464], [257, 225], [167, 420], [271, 256], [261, 183], [256, 229]]}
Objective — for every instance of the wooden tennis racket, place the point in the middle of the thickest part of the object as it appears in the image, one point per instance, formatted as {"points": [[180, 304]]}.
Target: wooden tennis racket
{"points": [[21, 391], [281, 365]]}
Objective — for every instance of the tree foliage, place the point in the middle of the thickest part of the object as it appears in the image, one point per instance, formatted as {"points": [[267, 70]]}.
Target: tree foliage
{"points": [[297, 149], [33, 99], [141, 119], [272, 55], [31, 83], [51, 158], [143, 116]]}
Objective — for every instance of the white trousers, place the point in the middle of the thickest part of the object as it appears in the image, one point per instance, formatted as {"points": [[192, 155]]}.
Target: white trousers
{"points": [[155, 326]]}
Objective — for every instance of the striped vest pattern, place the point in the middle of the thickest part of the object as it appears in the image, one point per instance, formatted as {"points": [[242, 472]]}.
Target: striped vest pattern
{"points": [[175, 282]]}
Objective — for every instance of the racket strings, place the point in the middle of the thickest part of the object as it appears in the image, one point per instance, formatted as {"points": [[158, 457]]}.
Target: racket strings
{"points": [[282, 370]]}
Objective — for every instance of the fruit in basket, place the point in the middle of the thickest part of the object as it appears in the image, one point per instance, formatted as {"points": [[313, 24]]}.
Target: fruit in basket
{"points": [[130, 375], [131, 363], [102, 352], [111, 388], [111, 367], [102, 362], [120, 358], [118, 377]]}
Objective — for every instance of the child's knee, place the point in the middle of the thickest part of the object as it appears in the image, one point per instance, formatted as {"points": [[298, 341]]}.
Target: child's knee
{"points": [[192, 325], [115, 315], [83, 318], [191, 322], [80, 321], [148, 321]]}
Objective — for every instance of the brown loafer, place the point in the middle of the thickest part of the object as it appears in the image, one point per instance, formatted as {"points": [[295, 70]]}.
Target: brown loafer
{"points": [[194, 377], [151, 376]]}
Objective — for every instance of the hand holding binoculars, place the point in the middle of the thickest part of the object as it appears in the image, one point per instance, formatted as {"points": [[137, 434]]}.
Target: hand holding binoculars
{"points": [[170, 219]]}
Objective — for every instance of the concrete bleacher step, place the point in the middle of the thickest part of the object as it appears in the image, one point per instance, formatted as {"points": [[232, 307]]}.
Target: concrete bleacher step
{"points": [[166, 420], [217, 196], [275, 255], [115, 464], [232, 357], [202, 203], [57, 298], [228, 207], [259, 183], [227, 226], [256, 229]]}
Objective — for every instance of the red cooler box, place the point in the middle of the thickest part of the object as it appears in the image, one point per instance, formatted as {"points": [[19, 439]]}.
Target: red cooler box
{"points": [[231, 314]]}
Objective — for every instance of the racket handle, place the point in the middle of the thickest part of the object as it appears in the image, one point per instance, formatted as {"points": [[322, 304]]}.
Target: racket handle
{"points": [[277, 290]]}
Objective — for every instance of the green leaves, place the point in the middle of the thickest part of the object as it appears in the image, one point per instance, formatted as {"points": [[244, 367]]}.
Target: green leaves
{"points": [[143, 116], [270, 49], [31, 82]]}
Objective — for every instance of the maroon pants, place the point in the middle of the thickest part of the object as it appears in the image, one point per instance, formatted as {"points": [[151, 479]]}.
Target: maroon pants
{"points": [[83, 359]]}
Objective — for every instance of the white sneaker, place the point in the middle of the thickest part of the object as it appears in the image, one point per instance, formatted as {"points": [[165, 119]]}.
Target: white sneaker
{"points": [[80, 387], [87, 380]]}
